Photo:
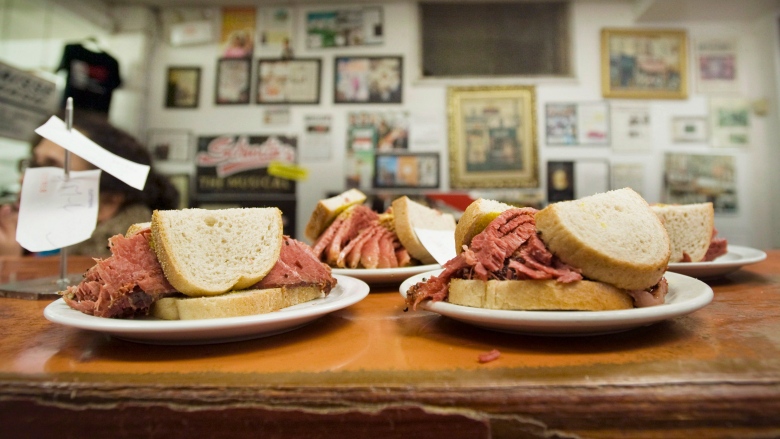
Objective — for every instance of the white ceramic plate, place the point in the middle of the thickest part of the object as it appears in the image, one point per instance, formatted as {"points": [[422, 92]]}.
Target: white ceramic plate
{"points": [[736, 258], [347, 292], [385, 275], [685, 296]]}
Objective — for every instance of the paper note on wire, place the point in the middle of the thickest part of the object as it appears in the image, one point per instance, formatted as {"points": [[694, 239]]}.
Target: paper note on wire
{"points": [[56, 212], [134, 174]]}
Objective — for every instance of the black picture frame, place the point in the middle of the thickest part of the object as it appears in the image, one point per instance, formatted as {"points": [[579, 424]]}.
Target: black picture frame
{"points": [[283, 82], [418, 170], [368, 80], [234, 80], [182, 88]]}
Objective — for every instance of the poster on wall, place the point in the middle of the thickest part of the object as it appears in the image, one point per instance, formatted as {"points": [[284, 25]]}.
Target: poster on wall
{"points": [[368, 80], [182, 87], [407, 170], [344, 27], [369, 133], [238, 32], [584, 124], [730, 122], [631, 128], [288, 81], [317, 139], [701, 178], [274, 27], [560, 181], [238, 164], [233, 81], [716, 66]]}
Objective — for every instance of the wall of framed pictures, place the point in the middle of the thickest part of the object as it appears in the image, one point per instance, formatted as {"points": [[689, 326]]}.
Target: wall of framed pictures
{"points": [[690, 92]]}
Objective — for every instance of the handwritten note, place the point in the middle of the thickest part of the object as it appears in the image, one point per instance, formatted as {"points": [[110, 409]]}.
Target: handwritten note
{"points": [[134, 174], [56, 212], [439, 243]]}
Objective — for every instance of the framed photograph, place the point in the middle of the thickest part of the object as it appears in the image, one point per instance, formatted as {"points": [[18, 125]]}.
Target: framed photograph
{"points": [[701, 178], [689, 129], [233, 81], [368, 80], [584, 123], [730, 122], [407, 170], [560, 181], [183, 87], [170, 145], [644, 64], [492, 135], [716, 65], [294, 81], [182, 183], [358, 26], [632, 128]]}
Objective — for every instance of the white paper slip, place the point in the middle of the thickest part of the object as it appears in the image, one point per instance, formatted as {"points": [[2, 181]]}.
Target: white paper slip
{"points": [[55, 212], [439, 243], [134, 174]]}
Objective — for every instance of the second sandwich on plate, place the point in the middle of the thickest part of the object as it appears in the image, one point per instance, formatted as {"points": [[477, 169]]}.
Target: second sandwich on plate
{"points": [[348, 234], [608, 251]]}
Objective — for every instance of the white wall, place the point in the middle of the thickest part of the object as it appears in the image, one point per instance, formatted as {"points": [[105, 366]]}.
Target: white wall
{"points": [[427, 98]]}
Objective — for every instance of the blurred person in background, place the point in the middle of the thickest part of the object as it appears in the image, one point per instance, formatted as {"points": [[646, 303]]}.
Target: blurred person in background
{"points": [[119, 205]]}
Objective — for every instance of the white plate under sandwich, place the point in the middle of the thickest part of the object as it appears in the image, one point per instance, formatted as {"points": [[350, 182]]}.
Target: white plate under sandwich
{"points": [[685, 296], [736, 258], [385, 275], [348, 291]]}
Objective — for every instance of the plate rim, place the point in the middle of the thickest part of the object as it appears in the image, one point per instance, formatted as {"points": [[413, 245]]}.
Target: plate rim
{"points": [[748, 255], [629, 318], [384, 274], [352, 291]]}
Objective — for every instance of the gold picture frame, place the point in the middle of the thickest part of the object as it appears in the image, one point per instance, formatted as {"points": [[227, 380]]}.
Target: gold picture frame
{"points": [[644, 63], [492, 137]]}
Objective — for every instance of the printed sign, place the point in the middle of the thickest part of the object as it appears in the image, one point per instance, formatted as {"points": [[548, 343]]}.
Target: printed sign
{"points": [[238, 164]]}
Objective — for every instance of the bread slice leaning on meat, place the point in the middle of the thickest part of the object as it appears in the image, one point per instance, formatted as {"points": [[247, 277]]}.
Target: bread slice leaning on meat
{"points": [[604, 252]]}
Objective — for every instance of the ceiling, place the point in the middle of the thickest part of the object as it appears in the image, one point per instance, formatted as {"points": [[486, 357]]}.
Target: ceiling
{"points": [[646, 10]]}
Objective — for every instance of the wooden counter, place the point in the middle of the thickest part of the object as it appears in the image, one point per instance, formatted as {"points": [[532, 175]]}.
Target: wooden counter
{"points": [[373, 370]]}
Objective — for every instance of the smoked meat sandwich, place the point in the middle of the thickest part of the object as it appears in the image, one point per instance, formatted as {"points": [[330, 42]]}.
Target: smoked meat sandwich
{"points": [[199, 263], [691, 229], [348, 234], [603, 252]]}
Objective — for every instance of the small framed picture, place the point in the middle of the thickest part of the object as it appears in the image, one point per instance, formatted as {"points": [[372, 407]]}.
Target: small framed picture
{"points": [[288, 81], [492, 135], [170, 145], [368, 80], [584, 123], [407, 170], [689, 129], [644, 63], [233, 82], [183, 87]]}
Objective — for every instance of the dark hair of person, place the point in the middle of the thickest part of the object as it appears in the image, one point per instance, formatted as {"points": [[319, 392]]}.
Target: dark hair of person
{"points": [[158, 193]]}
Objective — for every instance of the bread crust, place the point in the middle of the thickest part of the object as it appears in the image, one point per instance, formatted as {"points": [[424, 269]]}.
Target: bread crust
{"points": [[538, 295], [612, 237], [179, 238], [233, 304], [328, 209], [474, 220], [407, 215], [690, 228]]}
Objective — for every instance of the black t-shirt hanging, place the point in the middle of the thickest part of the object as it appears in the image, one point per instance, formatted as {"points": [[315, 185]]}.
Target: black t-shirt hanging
{"points": [[92, 77]]}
